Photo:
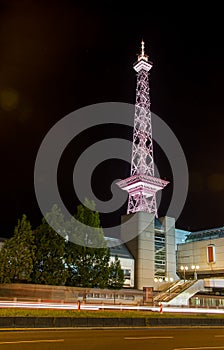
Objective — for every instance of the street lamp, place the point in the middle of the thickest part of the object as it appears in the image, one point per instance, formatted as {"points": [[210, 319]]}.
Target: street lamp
{"points": [[184, 269], [195, 268], [158, 280]]}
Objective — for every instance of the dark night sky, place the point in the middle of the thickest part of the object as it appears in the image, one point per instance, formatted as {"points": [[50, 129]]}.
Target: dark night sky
{"points": [[58, 56]]}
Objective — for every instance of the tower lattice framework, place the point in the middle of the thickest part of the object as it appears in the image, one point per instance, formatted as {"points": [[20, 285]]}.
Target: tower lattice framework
{"points": [[142, 185]]}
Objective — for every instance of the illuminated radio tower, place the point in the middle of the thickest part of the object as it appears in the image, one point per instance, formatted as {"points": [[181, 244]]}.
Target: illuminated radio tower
{"points": [[142, 185]]}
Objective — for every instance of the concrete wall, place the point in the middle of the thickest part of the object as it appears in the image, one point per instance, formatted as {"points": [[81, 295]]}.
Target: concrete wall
{"points": [[43, 322], [38, 291], [169, 228], [140, 226]]}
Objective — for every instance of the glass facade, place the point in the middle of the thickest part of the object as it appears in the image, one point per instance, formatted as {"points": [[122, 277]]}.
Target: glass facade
{"points": [[205, 235], [160, 253]]}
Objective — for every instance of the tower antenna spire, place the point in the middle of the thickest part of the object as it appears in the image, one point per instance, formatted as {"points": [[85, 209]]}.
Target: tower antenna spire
{"points": [[142, 185], [143, 47], [142, 56]]}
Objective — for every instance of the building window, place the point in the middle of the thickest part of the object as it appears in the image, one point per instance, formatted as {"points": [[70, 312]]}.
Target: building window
{"points": [[211, 254], [127, 274], [160, 254]]}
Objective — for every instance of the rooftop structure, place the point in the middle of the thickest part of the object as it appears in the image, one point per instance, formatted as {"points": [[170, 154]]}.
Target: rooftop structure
{"points": [[118, 248], [205, 234]]}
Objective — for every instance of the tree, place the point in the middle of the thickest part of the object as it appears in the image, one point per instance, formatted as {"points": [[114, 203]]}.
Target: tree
{"points": [[17, 254], [6, 262], [88, 258], [116, 275], [50, 249]]}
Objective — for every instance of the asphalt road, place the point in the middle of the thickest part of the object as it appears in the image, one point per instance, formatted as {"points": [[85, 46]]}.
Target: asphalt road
{"points": [[112, 339]]}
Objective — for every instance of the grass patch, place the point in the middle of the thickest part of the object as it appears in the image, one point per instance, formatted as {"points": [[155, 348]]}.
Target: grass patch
{"points": [[15, 312]]}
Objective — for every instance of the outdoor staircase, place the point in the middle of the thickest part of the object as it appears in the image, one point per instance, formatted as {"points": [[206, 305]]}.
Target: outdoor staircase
{"points": [[179, 293]]}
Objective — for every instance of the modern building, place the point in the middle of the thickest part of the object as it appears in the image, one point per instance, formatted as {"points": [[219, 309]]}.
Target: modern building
{"points": [[202, 253]]}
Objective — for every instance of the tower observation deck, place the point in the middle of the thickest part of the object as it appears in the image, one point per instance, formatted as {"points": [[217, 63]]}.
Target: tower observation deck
{"points": [[142, 185]]}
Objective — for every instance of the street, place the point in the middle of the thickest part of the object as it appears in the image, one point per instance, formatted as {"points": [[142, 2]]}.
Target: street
{"points": [[110, 339]]}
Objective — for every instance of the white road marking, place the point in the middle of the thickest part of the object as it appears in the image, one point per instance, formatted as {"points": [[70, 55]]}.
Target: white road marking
{"points": [[33, 341], [137, 338], [201, 348], [219, 335]]}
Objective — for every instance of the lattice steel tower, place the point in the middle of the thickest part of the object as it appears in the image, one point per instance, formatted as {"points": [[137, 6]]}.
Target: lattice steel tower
{"points": [[142, 185]]}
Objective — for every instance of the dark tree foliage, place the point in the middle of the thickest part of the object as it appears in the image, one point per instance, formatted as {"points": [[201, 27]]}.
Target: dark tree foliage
{"points": [[87, 258], [50, 249], [17, 257], [72, 253], [116, 275]]}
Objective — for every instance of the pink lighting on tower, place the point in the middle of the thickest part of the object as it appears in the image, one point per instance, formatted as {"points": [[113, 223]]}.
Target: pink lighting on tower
{"points": [[142, 185]]}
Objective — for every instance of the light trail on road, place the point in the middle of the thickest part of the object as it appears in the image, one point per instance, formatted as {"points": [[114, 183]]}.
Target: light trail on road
{"points": [[74, 306]]}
